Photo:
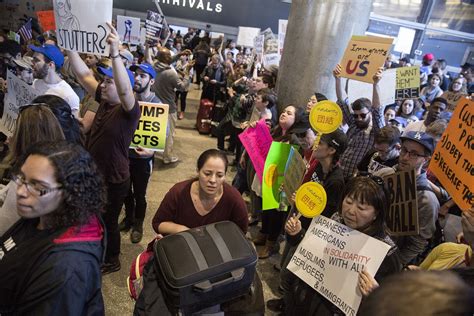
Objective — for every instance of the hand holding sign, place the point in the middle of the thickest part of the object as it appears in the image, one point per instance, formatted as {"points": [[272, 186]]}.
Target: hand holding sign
{"points": [[378, 75], [293, 226], [113, 40]]}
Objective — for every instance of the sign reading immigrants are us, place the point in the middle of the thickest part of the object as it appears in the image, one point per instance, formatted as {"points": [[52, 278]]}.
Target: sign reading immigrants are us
{"points": [[151, 129], [402, 217], [330, 257], [81, 25]]}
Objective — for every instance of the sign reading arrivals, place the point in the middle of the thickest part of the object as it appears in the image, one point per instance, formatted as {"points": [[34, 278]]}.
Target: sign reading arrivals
{"points": [[205, 5]]}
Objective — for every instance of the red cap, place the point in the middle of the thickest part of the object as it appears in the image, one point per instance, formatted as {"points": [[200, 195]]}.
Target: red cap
{"points": [[428, 56]]}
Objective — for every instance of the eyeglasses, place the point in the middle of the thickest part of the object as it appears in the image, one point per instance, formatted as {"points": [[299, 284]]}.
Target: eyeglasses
{"points": [[361, 115], [411, 154], [34, 188]]}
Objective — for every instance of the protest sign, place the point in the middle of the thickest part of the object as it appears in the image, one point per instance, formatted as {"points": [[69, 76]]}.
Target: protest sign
{"points": [[258, 44], [271, 59], [154, 26], [325, 117], [151, 130], [19, 94], [294, 172], [311, 199], [46, 20], [81, 25], [330, 257], [247, 35], [453, 99], [128, 29], [257, 142], [402, 217], [388, 85], [408, 83], [282, 25], [267, 34], [273, 174], [452, 162], [363, 56]]}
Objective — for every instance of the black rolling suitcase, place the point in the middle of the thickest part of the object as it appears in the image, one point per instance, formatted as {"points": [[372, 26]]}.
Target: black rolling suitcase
{"points": [[204, 266]]}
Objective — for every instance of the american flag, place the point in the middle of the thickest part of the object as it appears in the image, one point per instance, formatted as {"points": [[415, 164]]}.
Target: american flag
{"points": [[25, 31]]}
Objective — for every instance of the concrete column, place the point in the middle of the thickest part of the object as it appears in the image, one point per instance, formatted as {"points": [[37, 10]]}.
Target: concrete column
{"points": [[317, 34]]}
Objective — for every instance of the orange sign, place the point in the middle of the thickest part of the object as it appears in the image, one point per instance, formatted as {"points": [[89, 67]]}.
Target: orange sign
{"points": [[46, 20], [453, 159]]}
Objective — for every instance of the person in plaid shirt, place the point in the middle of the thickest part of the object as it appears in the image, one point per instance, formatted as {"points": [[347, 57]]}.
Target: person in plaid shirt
{"points": [[365, 120]]}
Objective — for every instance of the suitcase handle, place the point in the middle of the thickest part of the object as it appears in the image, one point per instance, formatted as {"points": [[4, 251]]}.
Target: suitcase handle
{"points": [[207, 285]]}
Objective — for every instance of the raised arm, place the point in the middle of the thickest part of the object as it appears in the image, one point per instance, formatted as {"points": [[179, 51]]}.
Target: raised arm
{"points": [[121, 79], [376, 89], [83, 73], [340, 93], [148, 58]]}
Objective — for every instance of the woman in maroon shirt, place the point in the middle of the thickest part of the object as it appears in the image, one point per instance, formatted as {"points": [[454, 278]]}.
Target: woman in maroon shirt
{"points": [[202, 200]]}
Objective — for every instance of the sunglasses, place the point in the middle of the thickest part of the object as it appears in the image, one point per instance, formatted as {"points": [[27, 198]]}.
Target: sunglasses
{"points": [[361, 115]]}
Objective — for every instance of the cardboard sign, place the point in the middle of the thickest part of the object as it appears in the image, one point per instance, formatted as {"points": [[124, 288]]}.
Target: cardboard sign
{"points": [[453, 162], [154, 26], [81, 25], [19, 94], [46, 20], [311, 199], [330, 257], [151, 130], [273, 174], [257, 142], [408, 83], [402, 218], [271, 59], [282, 25], [258, 44], [128, 29], [453, 99], [294, 172], [325, 117], [247, 35], [363, 56], [388, 84]]}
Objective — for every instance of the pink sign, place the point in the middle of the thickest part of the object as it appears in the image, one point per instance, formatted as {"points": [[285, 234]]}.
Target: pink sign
{"points": [[257, 142]]}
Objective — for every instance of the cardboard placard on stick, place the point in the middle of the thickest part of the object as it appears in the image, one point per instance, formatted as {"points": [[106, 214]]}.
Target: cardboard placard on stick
{"points": [[363, 56], [402, 217], [408, 83], [152, 127], [81, 26], [294, 172], [453, 159], [330, 257]]}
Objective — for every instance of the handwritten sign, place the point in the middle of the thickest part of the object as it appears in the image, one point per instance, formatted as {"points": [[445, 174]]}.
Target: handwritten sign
{"points": [[271, 59], [388, 84], [154, 26], [363, 56], [81, 26], [311, 199], [151, 130], [330, 257], [453, 162], [282, 26], [294, 172], [46, 20], [273, 174], [19, 94], [247, 35], [408, 83], [257, 142], [453, 99], [128, 29], [402, 217], [258, 44]]}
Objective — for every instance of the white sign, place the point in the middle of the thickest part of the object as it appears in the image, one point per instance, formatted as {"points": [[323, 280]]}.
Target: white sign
{"points": [[404, 40], [81, 25], [258, 44], [19, 94], [282, 25], [271, 59], [330, 257], [247, 35], [128, 29], [388, 85]]}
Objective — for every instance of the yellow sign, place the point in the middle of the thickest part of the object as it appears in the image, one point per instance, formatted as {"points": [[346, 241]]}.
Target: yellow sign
{"points": [[151, 129], [311, 199], [363, 56], [408, 83], [325, 117]]}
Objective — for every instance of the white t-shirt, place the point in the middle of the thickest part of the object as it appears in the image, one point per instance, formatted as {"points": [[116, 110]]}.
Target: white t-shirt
{"points": [[61, 89], [418, 126]]}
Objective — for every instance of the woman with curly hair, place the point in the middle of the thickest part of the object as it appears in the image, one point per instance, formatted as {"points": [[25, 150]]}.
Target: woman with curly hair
{"points": [[50, 259]]}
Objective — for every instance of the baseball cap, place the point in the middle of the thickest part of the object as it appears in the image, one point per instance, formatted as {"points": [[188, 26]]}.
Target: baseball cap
{"points": [[50, 51], [337, 140], [428, 56], [421, 138], [109, 73], [399, 120], [146, 68], [124, 53]]}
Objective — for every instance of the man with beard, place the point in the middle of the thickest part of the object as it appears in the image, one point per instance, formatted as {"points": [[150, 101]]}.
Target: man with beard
{"points": [[364, 122], [141, 160], [437, 107], [47, 62]]}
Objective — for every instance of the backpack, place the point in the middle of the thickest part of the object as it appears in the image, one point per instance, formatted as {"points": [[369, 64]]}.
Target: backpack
{"points": [[135, 278]]}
